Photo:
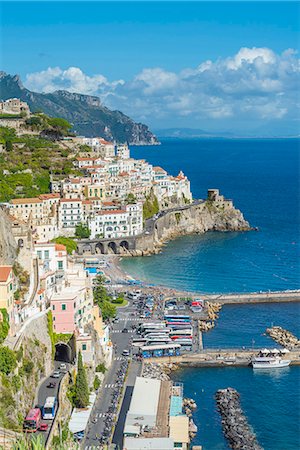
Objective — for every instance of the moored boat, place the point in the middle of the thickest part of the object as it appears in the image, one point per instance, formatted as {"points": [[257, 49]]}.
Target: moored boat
{"points": [[269, 359]]}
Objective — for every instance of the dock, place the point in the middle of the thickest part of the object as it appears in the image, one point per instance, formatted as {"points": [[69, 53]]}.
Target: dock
{"points": [[219, 358], [254, 297]]}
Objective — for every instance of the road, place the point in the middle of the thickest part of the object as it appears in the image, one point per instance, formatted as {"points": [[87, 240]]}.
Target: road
{"points": [[104, 399], [45, 392]]}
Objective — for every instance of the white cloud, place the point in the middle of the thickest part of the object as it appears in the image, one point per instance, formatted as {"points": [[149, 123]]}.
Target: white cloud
{"points": [[254, 84]]}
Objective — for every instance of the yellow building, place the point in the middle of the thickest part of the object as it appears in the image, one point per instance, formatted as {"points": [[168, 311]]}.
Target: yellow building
{"points": [[95, 190], [7, 292]]}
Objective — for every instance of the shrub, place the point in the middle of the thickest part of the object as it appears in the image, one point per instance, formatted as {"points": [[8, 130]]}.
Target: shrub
{"points": [[4, 325], [101, 368], [8, 360], [27, 366], [97, 383]]}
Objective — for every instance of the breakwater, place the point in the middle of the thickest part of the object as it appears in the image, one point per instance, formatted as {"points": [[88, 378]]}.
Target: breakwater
{"points": [[284, 337], [254, 297], [234, 423]]}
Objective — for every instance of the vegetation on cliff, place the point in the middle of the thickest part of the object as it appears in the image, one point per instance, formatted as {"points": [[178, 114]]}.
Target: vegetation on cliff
{"points": [[27, 162], [69, 243], [151, 206]]}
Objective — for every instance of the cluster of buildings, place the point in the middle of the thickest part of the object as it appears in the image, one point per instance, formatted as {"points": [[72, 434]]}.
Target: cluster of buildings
{"points": [[107, 196], [14, 106], [158, 422]]}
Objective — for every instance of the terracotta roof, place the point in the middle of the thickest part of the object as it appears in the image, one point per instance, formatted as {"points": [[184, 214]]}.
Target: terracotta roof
{"points": [[4, 273], [158, 169], [48, 196], [23, 201], [86, 202], [103, 141], [60, 247], [70, 200], [110, 212]]}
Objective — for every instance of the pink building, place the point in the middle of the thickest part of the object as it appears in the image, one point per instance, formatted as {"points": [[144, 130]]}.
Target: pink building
{"points": [[63, 306]]}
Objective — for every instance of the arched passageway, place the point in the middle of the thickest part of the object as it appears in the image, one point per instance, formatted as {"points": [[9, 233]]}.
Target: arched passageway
{"points": [[87, 248], [113, 247], [99, 248], [124, 245], [63, 352]]}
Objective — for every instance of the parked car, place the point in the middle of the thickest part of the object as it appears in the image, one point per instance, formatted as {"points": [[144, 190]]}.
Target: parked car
{"points": [[63, 366], [125, 353], [44, 427], [51, 385], [56, 374]]}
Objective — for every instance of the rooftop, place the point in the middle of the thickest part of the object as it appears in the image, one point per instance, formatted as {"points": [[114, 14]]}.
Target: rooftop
{"points": [[4, 273]]}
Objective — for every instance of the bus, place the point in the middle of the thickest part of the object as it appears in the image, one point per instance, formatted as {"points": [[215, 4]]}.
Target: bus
{"points": [[49, 408], [177, 318], [151, 326], [179, 325], [181, 332], [32, 421], [156, 351]]}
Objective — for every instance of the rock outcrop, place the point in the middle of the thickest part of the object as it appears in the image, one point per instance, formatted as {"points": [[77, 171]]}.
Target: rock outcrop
{"points": [[8, 245], [235, 425], [197, 218]]}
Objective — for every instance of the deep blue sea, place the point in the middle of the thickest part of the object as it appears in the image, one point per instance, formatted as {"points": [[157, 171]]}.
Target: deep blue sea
{"points": [[262, 177]]}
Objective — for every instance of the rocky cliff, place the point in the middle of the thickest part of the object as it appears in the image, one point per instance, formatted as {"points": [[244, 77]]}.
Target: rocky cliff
{"points": [[194, 219], [87, 114], [8, 246]]}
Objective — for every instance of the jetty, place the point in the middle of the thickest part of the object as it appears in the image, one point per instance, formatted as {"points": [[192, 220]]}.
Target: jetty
{"points": [[234, 422], [254, 297], [237, 357]]}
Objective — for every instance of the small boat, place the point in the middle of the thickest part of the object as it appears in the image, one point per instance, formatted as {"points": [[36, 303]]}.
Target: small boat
{"points": [[270, 360]]}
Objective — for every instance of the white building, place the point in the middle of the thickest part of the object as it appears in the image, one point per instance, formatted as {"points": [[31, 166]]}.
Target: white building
{"points": [[70, 214], [117, 223], [123, 151]]}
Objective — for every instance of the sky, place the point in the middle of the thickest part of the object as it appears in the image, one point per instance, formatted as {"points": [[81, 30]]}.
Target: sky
{"points": [[218, 66]]}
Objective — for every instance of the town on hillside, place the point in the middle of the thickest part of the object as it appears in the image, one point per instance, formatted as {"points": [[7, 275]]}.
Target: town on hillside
{"points": [[61, 312]]}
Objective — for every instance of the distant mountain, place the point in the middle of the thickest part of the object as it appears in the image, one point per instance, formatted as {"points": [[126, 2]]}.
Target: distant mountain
{"points": [[88, 116], [189, 133]]}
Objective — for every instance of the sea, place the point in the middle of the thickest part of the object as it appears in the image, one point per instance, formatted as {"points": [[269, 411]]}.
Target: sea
{"points": [[261, 176]]}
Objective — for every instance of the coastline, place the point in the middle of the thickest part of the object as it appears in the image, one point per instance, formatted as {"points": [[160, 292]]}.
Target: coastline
{"points": [[118, 274]]}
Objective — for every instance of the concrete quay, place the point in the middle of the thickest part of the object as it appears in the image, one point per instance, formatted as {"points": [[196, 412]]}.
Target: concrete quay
{"points": [[218, 358], [254, 297]]}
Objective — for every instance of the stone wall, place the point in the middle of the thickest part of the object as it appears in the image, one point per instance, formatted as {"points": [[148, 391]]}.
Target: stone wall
{"points": [[8, 246]]}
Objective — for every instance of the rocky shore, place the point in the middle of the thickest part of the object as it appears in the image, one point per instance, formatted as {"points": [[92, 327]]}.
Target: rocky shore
{"points": [[284, 337], [212, 314], [235, 425], [159, 371]]}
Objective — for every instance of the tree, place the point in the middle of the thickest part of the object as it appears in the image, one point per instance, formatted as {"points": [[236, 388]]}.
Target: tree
{"points": [[4, 325], [82, 231], [60, 124], [8, 360], [130, 199], [81, 385]]}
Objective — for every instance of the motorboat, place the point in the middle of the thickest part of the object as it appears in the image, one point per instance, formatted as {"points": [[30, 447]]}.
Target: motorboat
{"points": [[269, 359]]}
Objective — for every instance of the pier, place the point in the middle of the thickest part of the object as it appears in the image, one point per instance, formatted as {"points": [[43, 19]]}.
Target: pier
{"points": [[254, 297], [218, 358]]}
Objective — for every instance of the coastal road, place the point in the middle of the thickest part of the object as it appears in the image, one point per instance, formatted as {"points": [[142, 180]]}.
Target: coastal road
{"points": [[121, 342], [45, 392]]}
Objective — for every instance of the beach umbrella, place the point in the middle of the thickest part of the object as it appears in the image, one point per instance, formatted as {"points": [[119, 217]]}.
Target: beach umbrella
{"points": [[284, 350], [275, 350], [265, 350]]}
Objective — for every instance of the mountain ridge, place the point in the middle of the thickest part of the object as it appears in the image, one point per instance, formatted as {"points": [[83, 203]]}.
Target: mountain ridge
{"points": [[87, 114]]}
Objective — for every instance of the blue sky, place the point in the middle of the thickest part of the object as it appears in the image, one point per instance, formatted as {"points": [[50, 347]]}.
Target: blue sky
{"points": [[144, 58]]}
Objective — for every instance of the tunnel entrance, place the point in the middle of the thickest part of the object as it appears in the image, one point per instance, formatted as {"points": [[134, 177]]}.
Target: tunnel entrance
{"points": [[63, 352]]}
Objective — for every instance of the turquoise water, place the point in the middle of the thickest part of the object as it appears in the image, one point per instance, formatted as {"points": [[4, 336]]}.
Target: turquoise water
{"points": [[267, 398], [262, 177]]}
